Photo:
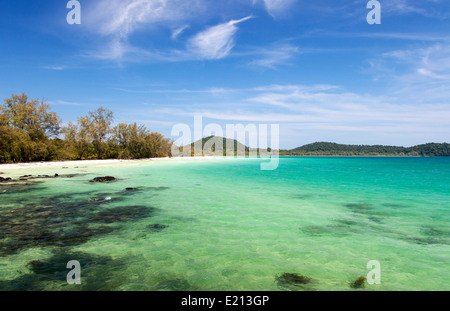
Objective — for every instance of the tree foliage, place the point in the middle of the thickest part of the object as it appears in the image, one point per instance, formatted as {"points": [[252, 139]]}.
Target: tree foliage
{"points": [[325, 148], [30, 132]]}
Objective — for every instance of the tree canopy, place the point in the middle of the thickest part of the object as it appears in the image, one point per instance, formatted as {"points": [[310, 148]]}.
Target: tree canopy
{"points": [[29, 131]]}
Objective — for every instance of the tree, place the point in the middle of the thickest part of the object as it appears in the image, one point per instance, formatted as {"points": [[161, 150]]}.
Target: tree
{"points": [[30, 132], [32, 116], [94, 129], [135, 141], [26, 130]]}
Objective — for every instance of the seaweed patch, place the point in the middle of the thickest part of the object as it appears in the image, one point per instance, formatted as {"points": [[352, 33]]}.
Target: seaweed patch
{"points": [[293, 281]]}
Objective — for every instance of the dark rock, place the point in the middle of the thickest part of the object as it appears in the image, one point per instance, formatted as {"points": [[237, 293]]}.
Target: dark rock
{"points": [[123, 214], [27, 177], [356, 206], [292, 280], [131, 189], [358, 283], [61, 223], [81, 235], [104, 179], [53, 271], [158, 188], [6, 179], [157, 227]]}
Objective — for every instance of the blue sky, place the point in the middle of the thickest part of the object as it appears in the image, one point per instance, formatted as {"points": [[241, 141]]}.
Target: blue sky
{"points": [[317, 68]]}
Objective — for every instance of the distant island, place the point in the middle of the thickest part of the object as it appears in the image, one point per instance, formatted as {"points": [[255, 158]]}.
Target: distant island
{"points": [[214, 145], [333, 149]]}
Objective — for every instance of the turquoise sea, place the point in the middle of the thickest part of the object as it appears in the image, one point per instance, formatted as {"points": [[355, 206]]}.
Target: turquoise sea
{"points": [[223, 224]]}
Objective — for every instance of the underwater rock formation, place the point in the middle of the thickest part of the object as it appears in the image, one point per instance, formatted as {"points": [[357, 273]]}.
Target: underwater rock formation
{"points": [[156, 227], [358, 283], [292, 281], [51, 273], [123, 214], [104, 179]]}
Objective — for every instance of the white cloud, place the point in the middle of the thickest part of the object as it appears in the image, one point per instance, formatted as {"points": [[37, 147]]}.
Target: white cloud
{"points": [[276, 7], [420, 75], [178, 31], [215, 42], [321, 112], [56, 68], [122, 17], [274, 56]]}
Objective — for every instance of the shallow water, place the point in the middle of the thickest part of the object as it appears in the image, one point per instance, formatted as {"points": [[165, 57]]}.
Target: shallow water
{"points": [[223, 224]]}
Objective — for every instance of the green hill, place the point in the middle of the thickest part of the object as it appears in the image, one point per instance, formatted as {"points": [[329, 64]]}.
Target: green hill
{"points": [[216, 146], [220, 146], [326, 148]]}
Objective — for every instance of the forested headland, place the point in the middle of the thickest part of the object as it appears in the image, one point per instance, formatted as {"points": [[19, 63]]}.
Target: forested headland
{"points": [[30, 131], [333, 149]]}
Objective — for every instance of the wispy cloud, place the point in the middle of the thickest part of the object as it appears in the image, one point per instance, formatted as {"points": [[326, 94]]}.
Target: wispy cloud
{"points": [[411, 36], [122, 17], [178, 31], [117, 20], [215, 42], [427, 8], [327, 111], [276, 7], [418, 65], [275, 55], [56, 68]]}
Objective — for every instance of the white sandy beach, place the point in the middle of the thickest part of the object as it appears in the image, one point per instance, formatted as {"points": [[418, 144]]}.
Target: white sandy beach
{"points": [[13, 166], [5, 167]]}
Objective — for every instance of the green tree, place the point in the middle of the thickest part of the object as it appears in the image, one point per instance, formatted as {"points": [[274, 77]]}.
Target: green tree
{"points": [[137, 142], [94, 130], [31, 116], [27, 129]]}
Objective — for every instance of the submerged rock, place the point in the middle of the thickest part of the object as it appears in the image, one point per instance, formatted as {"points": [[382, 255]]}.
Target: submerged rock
{"points": [[55, 266], [62, 223], [357, 206], [131, 189], [157, 227], [104, 179], [358, 283], [100, 200], [51, 273], [123, 214], [6, 179], [159, 188], [292, 280]]}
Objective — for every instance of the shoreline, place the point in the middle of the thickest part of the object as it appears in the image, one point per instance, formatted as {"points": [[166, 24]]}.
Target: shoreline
{"points": [[12, 166], [49, 164], [43, 164]]}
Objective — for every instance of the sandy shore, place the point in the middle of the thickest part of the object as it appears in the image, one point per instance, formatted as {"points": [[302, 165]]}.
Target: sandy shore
{"points": [[5, 167], [12, 166]]}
